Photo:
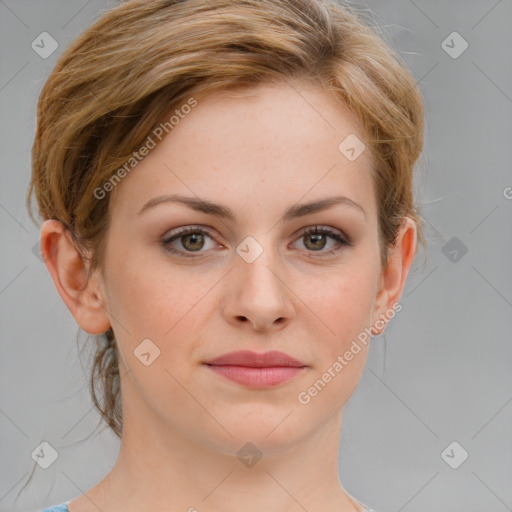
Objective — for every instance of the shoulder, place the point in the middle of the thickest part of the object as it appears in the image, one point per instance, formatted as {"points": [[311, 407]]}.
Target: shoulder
{"points": [[367, 509], [57, 508]]}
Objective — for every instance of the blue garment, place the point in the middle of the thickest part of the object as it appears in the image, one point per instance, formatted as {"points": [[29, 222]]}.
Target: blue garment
{"points": [[63, 507]]}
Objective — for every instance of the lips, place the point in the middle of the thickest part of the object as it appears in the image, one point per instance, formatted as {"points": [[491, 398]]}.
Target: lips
{"points": [[255, 360], [255, 370]]}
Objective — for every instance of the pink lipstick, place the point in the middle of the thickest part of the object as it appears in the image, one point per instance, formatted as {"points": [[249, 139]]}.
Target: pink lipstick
{"points": [[256, 370]]}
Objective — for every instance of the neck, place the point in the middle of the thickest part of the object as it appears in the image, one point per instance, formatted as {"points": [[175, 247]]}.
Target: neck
{"points": [[164, 469]]}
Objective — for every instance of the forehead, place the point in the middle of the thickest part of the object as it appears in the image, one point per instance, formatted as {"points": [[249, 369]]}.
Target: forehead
{"points": [[262, 144]]}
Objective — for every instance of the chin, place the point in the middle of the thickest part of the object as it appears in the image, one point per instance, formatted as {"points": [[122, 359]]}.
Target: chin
{"points": [[269, 434]]}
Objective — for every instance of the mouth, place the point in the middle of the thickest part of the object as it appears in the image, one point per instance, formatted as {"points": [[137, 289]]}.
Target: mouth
{"points": [[255, 370]]}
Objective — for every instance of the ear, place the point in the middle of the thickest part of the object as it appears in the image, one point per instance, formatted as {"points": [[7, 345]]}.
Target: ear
{"points": [[393, 277], [68, 270]]}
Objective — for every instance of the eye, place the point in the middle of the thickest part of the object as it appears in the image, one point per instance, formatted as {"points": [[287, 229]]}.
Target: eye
{"points": [[315, 240], [192, 240]]}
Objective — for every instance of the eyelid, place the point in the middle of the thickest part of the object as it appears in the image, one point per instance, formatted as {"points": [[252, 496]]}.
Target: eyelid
{"points": [[324, 230], [339, 236], [177, 233]]}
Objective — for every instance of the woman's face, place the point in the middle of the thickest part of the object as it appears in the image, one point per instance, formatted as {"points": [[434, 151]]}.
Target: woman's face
{"points": [[251, 280]]}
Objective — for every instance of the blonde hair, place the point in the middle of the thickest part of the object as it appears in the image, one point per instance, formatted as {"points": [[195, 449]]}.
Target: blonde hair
{"points": [[140, 60]]}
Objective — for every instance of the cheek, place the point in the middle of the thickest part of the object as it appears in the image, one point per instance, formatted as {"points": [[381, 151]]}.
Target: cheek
{"points": [[344, 302], [157, 302], [344, 307]]}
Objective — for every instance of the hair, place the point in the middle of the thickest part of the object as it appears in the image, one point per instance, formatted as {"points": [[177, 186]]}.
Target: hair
{"points": [[140, 60]]}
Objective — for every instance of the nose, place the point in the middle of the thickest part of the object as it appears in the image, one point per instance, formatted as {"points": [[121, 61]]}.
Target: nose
{"points": [[257, 294]]}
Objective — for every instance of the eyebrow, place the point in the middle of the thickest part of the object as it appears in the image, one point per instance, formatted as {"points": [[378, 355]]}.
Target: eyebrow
{"points": [[210, 208]]}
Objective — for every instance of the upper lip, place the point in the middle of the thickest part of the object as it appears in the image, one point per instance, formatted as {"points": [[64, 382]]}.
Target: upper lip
{"points": [[256, 360]]}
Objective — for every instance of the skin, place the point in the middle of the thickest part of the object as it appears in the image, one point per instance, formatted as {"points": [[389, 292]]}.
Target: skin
{"points": [[258, 154]]}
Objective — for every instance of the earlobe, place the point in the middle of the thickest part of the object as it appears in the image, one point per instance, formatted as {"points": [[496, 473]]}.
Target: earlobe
{"points": [[69, 272], [393, 278]]}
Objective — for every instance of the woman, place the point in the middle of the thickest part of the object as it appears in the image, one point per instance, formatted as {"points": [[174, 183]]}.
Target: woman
{"points": [[227, 195]]}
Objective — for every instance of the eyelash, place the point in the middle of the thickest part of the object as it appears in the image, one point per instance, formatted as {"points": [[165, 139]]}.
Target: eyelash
{"points": [[317, 230]]}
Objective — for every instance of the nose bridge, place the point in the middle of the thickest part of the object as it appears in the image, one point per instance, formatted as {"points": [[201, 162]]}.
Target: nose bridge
{"points": [[258, 264], [261, 295]]}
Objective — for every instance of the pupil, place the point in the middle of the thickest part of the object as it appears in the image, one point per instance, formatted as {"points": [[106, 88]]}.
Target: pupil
{"points": [[317, 236], [192, 236]]}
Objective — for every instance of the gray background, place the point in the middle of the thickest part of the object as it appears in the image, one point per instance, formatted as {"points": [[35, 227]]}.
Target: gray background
{"points": [[442, 373]]}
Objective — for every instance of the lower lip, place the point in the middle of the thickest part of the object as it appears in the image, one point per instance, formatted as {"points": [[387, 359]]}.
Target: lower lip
{"points": [[257, 377]]}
